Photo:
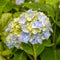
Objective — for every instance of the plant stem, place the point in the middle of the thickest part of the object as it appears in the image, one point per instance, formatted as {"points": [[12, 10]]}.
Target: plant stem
{"points": [[34, 53], [54, 35], [29, 56]]}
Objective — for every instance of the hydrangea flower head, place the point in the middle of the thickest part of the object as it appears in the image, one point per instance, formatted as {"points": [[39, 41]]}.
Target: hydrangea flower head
{"points": [[31, 26], [19, 2]]}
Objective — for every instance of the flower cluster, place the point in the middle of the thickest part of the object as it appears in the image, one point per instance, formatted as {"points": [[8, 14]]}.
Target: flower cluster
{"points": [[19, 2], [30, 26]]}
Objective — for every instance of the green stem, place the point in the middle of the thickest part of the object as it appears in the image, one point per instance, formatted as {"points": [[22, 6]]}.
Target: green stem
{"points": [[54, 41], [29, 56], [54, 35], [34, 53]]}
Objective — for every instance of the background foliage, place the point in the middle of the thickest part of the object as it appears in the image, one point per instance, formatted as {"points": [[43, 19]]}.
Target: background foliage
{"points": [[49, 50]]}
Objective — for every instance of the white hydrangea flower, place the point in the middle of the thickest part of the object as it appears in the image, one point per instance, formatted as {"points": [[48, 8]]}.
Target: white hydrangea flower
{"points": [[59, 5], [36, 0]]}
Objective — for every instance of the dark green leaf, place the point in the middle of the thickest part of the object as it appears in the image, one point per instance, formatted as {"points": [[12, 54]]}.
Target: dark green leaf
{"points": [[48, 54], [38, 49], [58, 23], [27, 48], [58, 54], [1, 47], [19, 57], [58, 40], [47, 43]]}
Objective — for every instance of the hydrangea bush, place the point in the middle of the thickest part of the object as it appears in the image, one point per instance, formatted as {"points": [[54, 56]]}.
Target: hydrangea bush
{"points": [[29, 30]]}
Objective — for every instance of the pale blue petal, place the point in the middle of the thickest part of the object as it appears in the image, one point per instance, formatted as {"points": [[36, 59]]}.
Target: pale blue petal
{"points": [[23, 27], [14, 37], [18, 2], [46, 34], [22, 21], [39, 41], [33, 41], [9, 44], [37, 24], [41, 18], [24, 37]]}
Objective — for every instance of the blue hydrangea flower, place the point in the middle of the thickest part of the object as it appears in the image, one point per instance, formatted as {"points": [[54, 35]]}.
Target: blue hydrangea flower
{"points": [[22, 21], [31, 26], [36, 39], [24, 37], [37, 24], [46, 34], [9, 44], [9, 28], [12, 41], [19, 2]]}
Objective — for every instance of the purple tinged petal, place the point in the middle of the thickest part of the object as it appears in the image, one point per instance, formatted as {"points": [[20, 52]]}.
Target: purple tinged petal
{"points": [[24, 37], [19, 2], [46, 34]]}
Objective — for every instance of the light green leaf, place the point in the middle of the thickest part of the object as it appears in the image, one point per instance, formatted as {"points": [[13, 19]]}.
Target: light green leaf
{"points": [[6, 53], [2, 5], [52, 2], [41, 7], [5, 19], [8, 7]]}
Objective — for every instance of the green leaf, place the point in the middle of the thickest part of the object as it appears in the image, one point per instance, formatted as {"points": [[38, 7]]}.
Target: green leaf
{"points": [[5, 19], [57, 54], [2, 5], [6, 53], [16, 14], [1, 46], [19, 57], [47, 43], [39, 49], [22, 56], [27, 48], [58, 40], [53, 2], [41, 7], [8, 7], [48, 54], [58, 23]]}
